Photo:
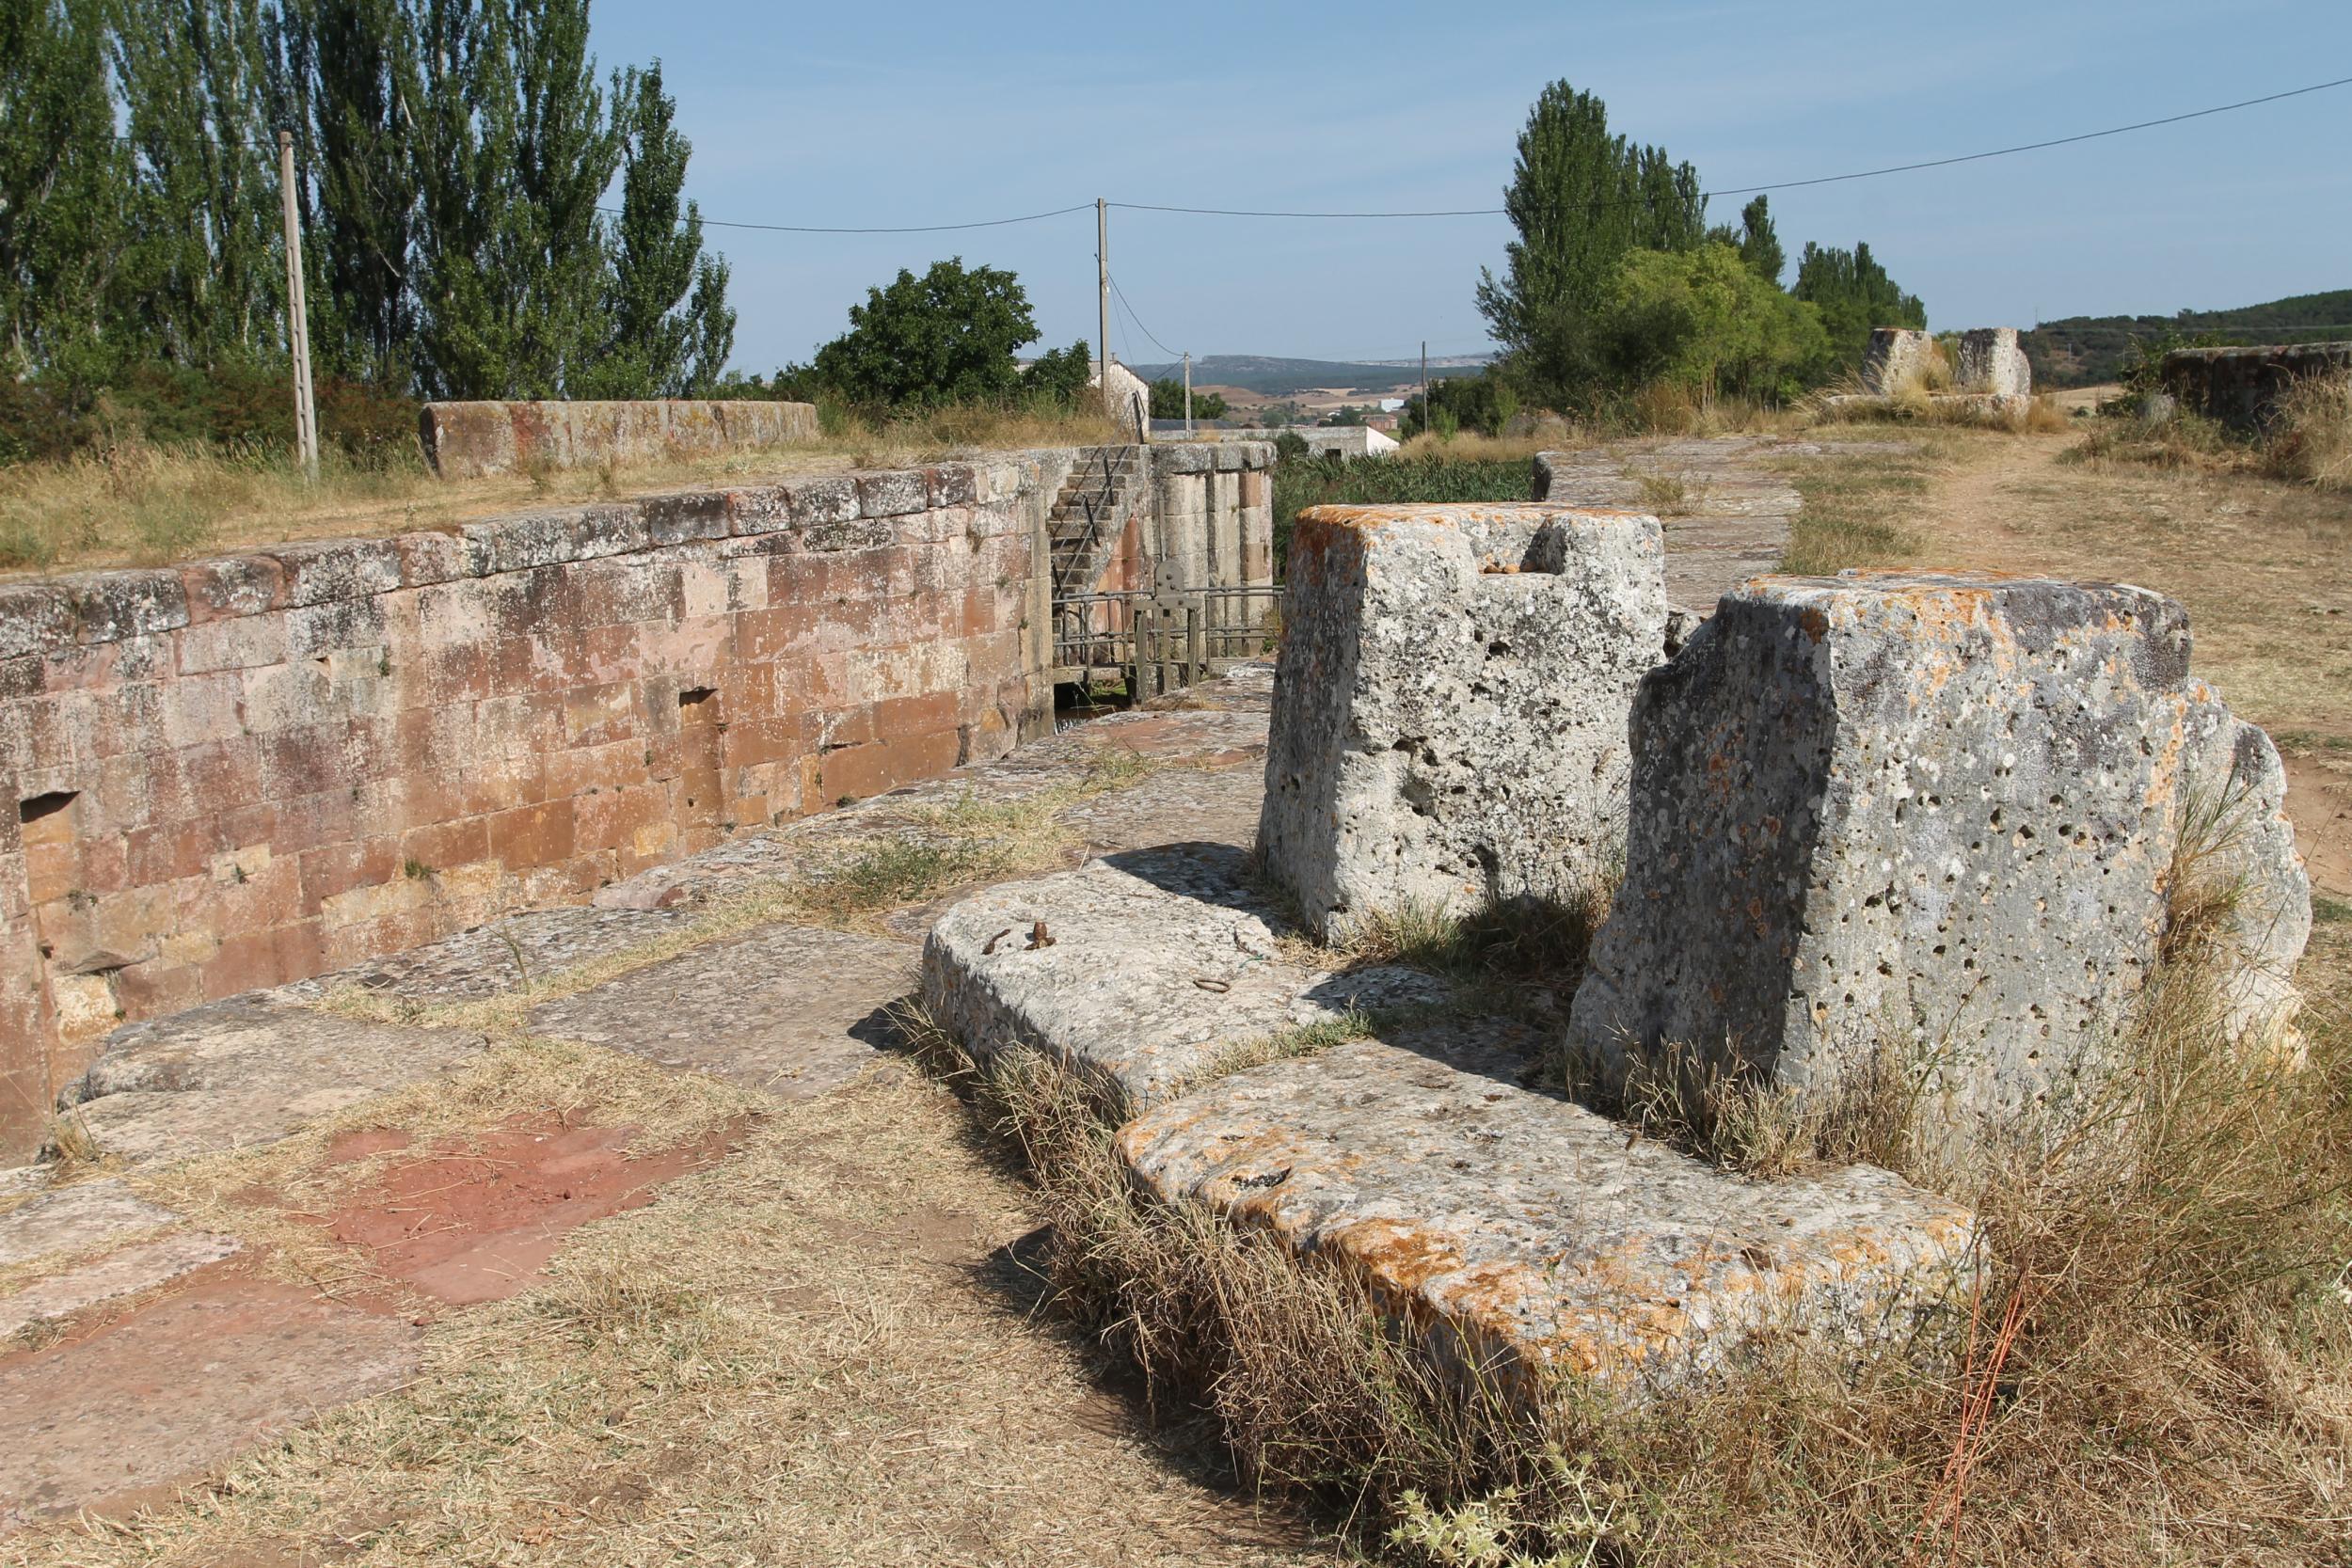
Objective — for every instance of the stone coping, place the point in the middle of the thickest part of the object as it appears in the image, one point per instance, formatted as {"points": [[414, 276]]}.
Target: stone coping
{"points": [[81, 608]]}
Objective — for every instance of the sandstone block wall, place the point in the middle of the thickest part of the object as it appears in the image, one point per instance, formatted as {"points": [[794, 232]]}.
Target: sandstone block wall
{"points": [[1450, 721], [2241, 387], [1211, 520], [1992, 363], [238, 773], [1896, 360], [469, 441], [1934, 817]]}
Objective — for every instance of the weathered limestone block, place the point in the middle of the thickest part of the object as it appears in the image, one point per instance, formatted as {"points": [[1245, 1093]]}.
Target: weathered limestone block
{"points": [[1513, 1222], [1896, 360], [1450, 719], [1992, 361], [1158, 964], [1929, 822]]}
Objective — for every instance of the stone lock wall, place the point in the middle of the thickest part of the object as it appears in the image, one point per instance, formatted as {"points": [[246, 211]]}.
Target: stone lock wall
{"points": [[473, 440], [238, 773], [2241, 387]]}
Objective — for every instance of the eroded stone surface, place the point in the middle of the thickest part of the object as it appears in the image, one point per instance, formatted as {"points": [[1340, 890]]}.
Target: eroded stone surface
{"points": [[130, 1272], [1531, 1227], [499, 958], [1993, 361], [246, 1071], [77, 1218], [178, 1387], [1896, 360], [793, 1011], [1160, 961], [1933, 816], [1450, 719]]}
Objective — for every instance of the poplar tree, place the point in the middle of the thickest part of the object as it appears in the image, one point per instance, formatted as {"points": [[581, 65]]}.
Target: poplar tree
{"points": [[668, 328], [62, 177], [1853, 295], [1579, 198], [205, 250], [343, 77]]}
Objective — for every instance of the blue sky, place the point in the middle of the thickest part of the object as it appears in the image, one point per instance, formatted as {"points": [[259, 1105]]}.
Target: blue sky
{"points": [[850, 114]]}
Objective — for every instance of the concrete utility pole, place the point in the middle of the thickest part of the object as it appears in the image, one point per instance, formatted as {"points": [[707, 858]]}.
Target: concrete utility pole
{"points": [[1426, 423], [297, 316], [1187, 391], [1103, 289]]}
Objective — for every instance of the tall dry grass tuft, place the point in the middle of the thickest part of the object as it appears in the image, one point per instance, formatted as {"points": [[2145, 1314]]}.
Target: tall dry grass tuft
{"points": [[2310, 438]]}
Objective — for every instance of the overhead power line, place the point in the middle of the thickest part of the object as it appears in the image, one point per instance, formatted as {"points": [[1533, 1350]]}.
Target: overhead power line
{"points": [[901, 228], [1121, 296]]}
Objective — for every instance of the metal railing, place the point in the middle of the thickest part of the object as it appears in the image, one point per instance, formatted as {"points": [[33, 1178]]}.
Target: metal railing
{"points": [[1095, 513]]}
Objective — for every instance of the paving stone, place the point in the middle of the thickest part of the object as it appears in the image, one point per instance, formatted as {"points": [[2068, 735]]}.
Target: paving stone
{"points": [[1450, 719], [179, 1389], [1510, 1222], [78, 1218], [246, 1071], [1161, 960], [503, 956], [1930, 816], [130, 1272], [793, 1011]]}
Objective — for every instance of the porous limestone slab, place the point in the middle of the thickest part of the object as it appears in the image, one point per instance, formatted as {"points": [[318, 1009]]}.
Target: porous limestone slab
{"points": [[1993, 361], [1520, 1225], [793, 1011], [130, 1272], [499, 958], [246, 1071], [1448, 723], [77, 1218], [1896, 360], [1159, 962], [1927, 820]]}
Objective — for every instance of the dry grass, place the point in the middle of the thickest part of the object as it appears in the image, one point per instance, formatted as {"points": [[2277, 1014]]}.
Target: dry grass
{"points": [[139, 504], [2158, 1368], [2309, 441], [1854, 503]]}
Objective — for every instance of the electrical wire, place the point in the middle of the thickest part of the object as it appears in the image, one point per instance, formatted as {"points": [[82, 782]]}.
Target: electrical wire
{"points": [[1121, 296], [901, 228]]}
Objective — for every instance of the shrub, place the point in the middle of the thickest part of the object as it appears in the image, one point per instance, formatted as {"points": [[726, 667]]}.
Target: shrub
{"points": [[1705, 320]]}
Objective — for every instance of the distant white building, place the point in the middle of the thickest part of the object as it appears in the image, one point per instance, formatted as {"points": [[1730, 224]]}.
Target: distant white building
{"points": [[1349, 440]]}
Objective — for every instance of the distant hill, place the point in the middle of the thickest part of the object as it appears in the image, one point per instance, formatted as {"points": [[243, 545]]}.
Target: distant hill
{"points": [[1274, 377], [2084, 351]]}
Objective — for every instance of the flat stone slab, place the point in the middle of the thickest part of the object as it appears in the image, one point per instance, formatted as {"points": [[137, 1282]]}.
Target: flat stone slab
{"points": [[1160, 963], [499, 958], [246, 1071], [788, 1009], [180, 1388], [1534, 1228], [133, 1271], [80, 1218]]}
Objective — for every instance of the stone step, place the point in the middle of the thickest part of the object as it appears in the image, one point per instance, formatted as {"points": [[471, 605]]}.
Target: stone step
{"points": [[1539, 1233], [1491, 1213]]}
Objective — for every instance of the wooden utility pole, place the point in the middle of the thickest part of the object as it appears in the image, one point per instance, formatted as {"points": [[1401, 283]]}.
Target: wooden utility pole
{"points": [[297, 316], [1103, 292], [1187, 391], [1426, 423]]}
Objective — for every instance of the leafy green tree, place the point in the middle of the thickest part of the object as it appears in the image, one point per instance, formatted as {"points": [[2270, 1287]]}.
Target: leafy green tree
{"points": [[204, 247], [1756, 241], [670, 328], [1167, 401], [1058, 377], [1708, 321], [515, 149], [1579, 198], [945, 336], [1483, 403], [345, 74], [62, 177], [1853, 295]]}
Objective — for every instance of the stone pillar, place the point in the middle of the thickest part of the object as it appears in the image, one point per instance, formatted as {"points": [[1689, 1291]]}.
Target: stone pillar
{"points": [[1449, 713], [1896, 360], [1991, 361], [1930, 821]]}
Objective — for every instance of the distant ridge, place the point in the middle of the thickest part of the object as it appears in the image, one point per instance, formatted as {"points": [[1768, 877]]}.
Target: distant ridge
{"points": [[2084, 351], [1271, 376]]}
